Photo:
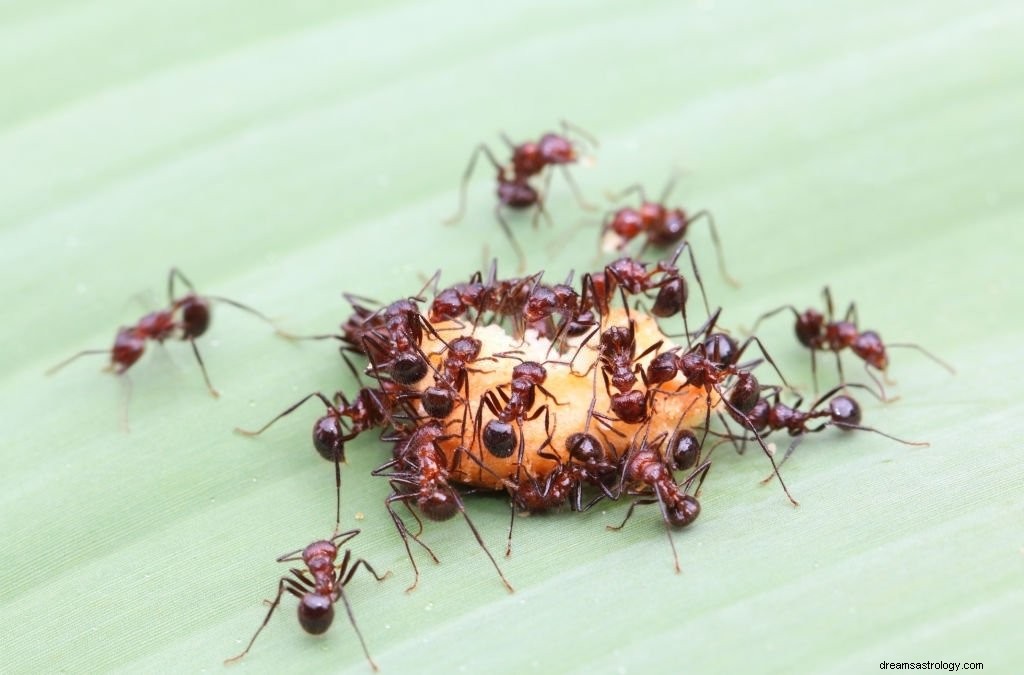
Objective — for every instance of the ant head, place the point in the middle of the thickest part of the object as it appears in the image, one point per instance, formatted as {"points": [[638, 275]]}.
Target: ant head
{"points": [[128, 348], [531, 371], [439, 504], [584, 448], [670, 230], [447, 305], [745, 393], [683, 449], [663, 368], [316, 612], [671, 298], [844, 411], [541, 304], [557, 149], [809, 327], [617, 339], [499, 438], [517, 194], [627, 223], [683, 512], [695, 365], [195, 315], [437, 402], [320, 554], [328, 438], [466, 347], [721, 349], [869, 346], [631, 406], [408, 368]]}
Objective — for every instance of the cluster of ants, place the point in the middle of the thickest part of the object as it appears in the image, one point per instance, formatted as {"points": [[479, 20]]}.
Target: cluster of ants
{"points": [[450, 434]]}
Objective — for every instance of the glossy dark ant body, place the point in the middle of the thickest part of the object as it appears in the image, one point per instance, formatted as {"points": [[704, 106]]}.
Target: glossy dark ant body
{"points": [[575, 317], [529, 160], [769, 414], [499, 436], [822, 332], [646, 468], [451, 378], [588, 464], [318, 587], [503, 298], [661, 226], [617, 359], [419, 475], [185, 318], [709, 365]]}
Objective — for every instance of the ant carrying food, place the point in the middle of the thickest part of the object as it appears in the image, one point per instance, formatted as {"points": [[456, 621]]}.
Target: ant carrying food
{"points": [[419, 474], [185, 318], [661, 226], [822, 332], [529, 159], [318, 587]]}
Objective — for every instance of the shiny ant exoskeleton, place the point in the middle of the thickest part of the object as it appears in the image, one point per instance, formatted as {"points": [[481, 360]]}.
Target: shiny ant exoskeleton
{"points": [[769, 414], [646, 468], [499, 436], [822, 332], [318, 587], [529, 159], [185, 318], [419, 475], [451, 378], [661, 226]]}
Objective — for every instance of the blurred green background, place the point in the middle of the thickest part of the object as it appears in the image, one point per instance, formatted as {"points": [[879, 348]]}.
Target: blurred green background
{"points": [[283, 155]]}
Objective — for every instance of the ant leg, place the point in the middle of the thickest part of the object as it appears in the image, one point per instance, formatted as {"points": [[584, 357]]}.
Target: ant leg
{"points": [[172, 275], [520, 256], [290, 410], [670, 185], [340, 592], [764, 447], [281, 588], [829, 305], [936, 359], [858, 427], [404, 532], [768, 315], [511, 524], [65, 362], [258, 314], [629, 514], [753, 339], [635, 188], [126, 384], [541, 211], [789, 451], [568, 127], [717, 244], [479, 540], [202, 367], [467, 174], [696, 274], [584, 204], [668, 532], [361, 561], [814, 369]]}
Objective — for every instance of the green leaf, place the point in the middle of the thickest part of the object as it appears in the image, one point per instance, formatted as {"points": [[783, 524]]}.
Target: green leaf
{"points": [[282, 155]]}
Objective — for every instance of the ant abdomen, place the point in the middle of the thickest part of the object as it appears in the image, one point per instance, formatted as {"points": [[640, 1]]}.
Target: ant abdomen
{"points": [[128, 348], [438, 505], [499, 438], [328, 438], [631, 406], [684, 449], [671, 298], [584, 448], [437, 402], [408, 368], [845, 412], [683, 512], [745, 394], [316, 613]]}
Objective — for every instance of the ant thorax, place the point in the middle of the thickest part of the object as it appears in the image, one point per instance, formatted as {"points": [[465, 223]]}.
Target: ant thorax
{"points": [[568, 392]]}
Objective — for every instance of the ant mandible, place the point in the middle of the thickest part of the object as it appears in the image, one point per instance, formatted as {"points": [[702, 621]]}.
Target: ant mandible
{"points": [[662, 226], [318, 594], [821, 332], [528, 159], [185, 318]]}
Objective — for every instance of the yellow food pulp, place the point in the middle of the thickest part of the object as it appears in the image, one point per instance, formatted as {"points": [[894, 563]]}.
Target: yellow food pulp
{"points": [[678, 405]]}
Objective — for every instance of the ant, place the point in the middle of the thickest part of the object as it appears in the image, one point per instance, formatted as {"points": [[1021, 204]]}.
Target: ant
{"points": [[502, 297], [820, 332], [646, 468], [709, 365], [562, 299], [370, 409], [419, 474], [452, 375], [528, 159], [769, 414], [186, 318], [617, 359], [663, 227], [318, 594]]}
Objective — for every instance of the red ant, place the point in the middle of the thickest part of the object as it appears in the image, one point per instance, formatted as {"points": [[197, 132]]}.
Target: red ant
{"points": [[646, 469], [820, 332], [318, 594], [186, 318], [370, 409], [769, 414], [451, 377], [501, 297], [662, 226], [562, 299], [617, 359], [708, 365], [419, 475], [528, 160]]}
